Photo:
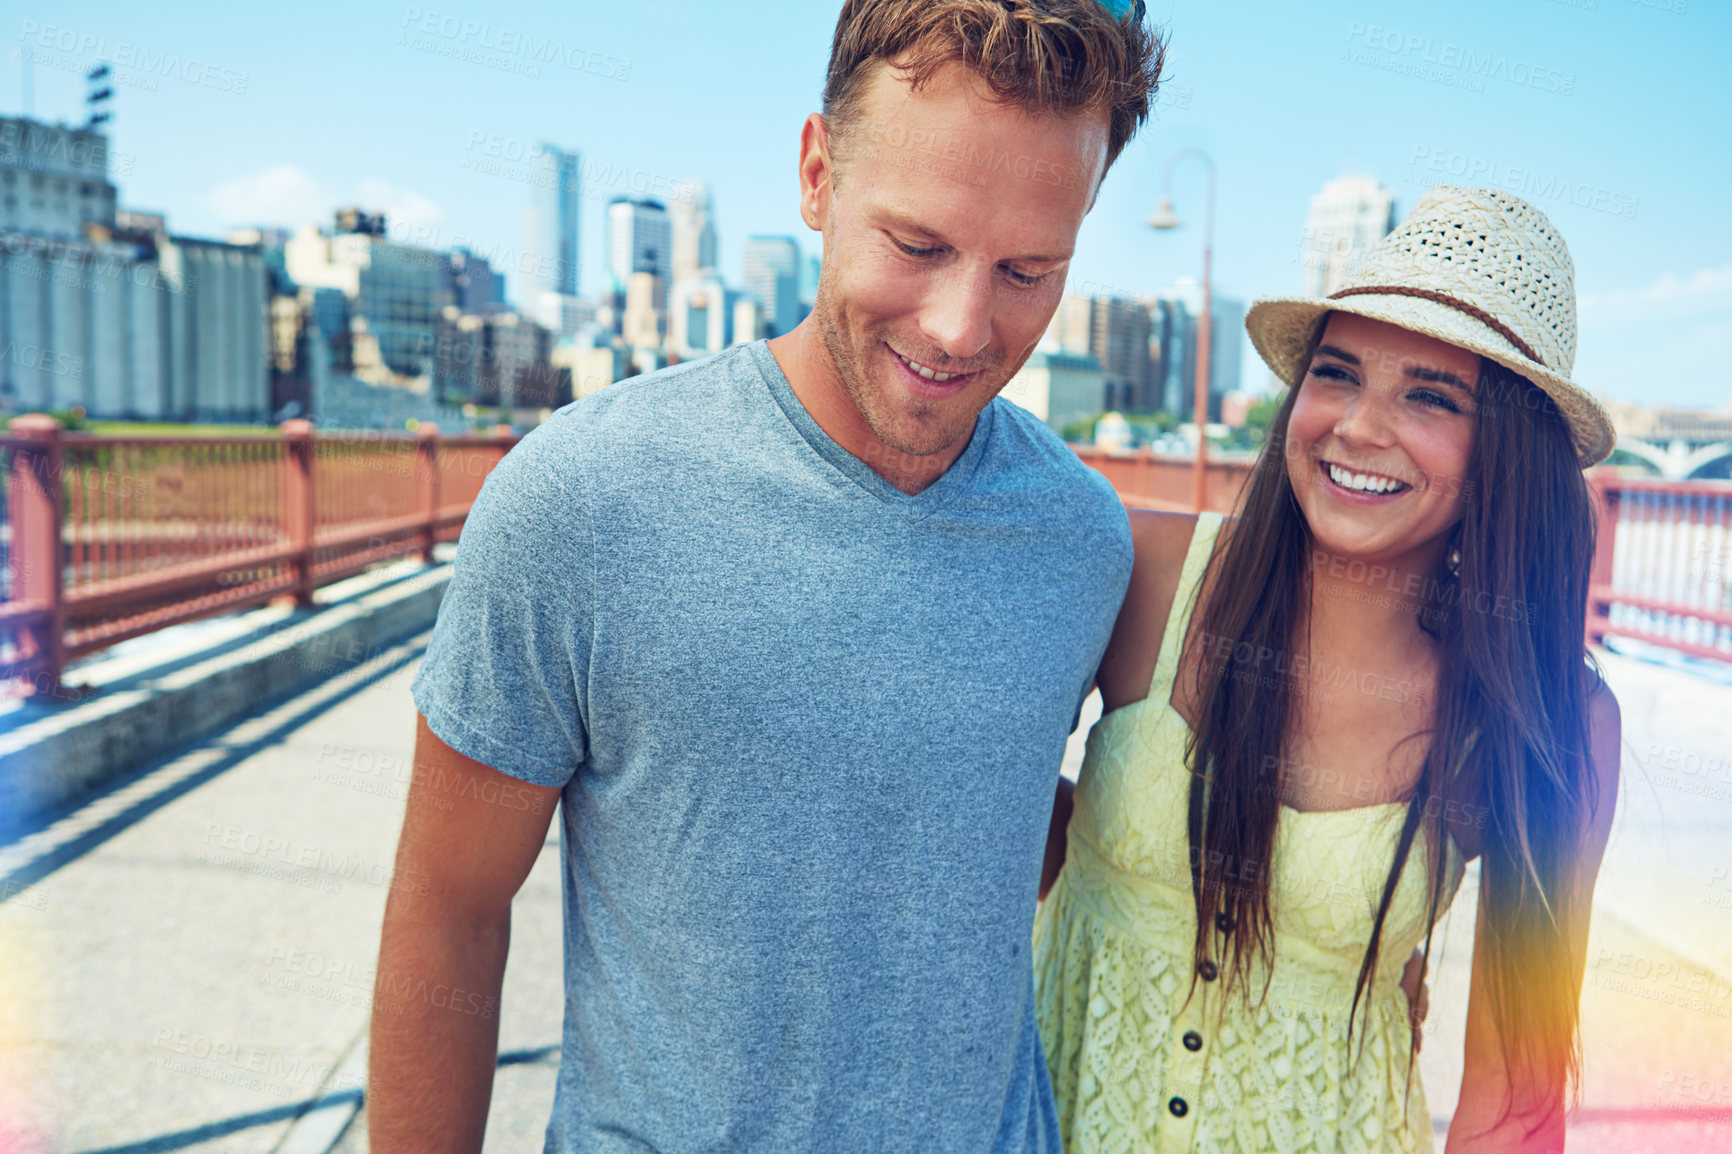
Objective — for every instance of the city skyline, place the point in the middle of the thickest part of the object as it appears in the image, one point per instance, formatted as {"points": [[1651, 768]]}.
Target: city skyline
{"points": [[1587, 110]]}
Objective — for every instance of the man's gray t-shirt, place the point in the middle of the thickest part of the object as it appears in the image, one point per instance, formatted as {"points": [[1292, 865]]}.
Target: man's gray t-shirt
{"points": [[808, 729]]}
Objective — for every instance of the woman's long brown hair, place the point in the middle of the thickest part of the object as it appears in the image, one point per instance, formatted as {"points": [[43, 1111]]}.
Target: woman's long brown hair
{"points": [[1509, 728]]}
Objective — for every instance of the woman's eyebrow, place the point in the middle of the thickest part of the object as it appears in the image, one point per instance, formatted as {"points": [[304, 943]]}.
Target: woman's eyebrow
{"points": [[1441, 376]]}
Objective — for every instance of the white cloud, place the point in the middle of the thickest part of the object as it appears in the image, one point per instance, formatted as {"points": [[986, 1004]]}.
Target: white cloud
{"points": [[286, 196], [283, 195], [1663, 343]]}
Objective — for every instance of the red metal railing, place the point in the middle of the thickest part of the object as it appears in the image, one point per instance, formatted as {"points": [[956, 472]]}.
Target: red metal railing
{"points": [[1147, 480], [1663, 569], [103, 538]]}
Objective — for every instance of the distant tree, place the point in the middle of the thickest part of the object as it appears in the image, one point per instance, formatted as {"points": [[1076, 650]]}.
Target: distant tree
{"points": [[1081, 431]]}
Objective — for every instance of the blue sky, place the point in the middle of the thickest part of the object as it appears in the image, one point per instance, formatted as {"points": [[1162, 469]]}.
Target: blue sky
{"points": [[1614, 116]]}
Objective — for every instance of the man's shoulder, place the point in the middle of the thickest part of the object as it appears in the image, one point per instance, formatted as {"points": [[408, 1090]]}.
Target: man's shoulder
{"points": [[1028, 446], [659, 416], [652, 402]]}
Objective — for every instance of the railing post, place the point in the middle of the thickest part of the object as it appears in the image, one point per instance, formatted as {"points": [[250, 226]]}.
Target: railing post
{"points": [[37, 554], [427, 482], [299, 510], [1605, 540]]}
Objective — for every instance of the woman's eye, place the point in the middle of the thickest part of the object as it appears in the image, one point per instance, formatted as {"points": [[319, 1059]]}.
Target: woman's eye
{"points": [[1435, 400], [1332, 373], [1025, 279]]}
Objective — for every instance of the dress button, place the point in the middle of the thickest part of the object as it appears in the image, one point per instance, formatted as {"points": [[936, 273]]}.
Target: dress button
{"points": [[1178, 1107], [1224, 923], [1193, 1041], [1207, 969]]}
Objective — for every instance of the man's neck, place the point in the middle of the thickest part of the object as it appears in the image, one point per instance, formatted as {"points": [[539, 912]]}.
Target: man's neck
{"points": [[805, 360]]}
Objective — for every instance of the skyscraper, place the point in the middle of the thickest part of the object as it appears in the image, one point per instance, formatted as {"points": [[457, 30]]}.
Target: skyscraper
{"points": [[1116, 332], [551, 240], [1173, 347], [639, 239], [773, 276], [1349, 215], [694, 231]]}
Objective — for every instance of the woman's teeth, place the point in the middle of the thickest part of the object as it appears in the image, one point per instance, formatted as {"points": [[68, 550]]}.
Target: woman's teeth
{"points": [[929, 374], [1364, 482]]}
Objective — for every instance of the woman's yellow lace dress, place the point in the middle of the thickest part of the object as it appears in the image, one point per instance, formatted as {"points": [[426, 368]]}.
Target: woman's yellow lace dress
{"points": [[1137, 1067]]}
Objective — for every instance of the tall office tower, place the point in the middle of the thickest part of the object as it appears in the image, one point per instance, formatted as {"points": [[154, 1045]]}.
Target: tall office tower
{"points": [[773, 276], [1173, 347], [1116, 332], [644, 321], [639, 239], [1349, 215], [694, 231], [551, 224], [1119, 339]]}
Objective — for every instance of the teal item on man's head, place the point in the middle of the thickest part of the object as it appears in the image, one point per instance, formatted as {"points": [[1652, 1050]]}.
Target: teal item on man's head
{"points": [[1122, 8]]}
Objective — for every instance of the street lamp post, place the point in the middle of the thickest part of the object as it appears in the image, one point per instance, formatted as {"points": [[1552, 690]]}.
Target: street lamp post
{"points": [[1165, 218]]}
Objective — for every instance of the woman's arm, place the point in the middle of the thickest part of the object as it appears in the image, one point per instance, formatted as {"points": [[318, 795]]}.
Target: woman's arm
{"points": [[1485, 1084], [1057, 834]]}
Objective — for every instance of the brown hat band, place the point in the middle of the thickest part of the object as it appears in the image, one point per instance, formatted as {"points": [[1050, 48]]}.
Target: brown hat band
{"points": [[1473, 311]]}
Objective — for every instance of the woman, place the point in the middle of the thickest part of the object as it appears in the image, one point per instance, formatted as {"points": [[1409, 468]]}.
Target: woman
{"points": [[1378, 673]]}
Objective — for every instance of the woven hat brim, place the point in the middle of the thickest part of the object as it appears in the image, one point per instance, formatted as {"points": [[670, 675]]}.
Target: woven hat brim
{"points": [[1285, 331]]}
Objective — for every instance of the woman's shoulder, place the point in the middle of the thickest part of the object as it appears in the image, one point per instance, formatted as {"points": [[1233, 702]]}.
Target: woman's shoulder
{"points": [[1161, 541]]}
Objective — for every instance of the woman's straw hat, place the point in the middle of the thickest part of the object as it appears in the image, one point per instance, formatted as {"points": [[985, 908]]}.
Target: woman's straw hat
{"points": [[1476, 267]]}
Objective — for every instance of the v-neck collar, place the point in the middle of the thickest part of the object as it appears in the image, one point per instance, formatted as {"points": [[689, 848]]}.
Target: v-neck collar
{"points": [[920, 504]]}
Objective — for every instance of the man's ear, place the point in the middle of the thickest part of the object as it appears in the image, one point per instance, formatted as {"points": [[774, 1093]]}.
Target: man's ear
{"points": [[817, 172]]}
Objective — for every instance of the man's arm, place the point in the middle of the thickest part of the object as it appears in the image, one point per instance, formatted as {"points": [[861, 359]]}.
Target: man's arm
{"points": [[470, 837]]}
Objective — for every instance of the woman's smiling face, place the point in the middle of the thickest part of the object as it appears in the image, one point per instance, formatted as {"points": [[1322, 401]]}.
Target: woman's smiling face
{"points": [[1379, 439]]}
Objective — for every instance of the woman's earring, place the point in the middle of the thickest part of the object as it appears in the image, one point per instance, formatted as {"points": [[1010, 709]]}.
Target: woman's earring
{"points": [[1452, 560]]}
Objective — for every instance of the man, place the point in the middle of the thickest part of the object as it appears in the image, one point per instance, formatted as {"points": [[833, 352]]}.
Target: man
{"points": [[797, 634]]}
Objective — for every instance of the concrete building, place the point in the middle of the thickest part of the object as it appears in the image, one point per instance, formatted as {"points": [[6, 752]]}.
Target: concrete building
{"points": [[1116, 331], [639, 240], [772, 274], [53, 179], [551, 226], [392, 290], [109, 311], [701, 317], [1350, 214], [469, 282], [1059, 387], [498, 359], [644, 321], [592, 367], [694, 231], [562, 315]]}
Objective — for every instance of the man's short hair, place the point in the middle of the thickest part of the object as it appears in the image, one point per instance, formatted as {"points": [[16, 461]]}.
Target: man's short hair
{"points": [[1060, 57]]}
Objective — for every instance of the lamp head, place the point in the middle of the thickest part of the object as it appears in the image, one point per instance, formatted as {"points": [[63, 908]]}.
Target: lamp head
{"points": [[1163, 216]]}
